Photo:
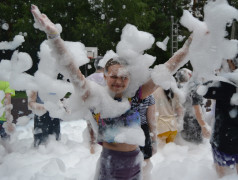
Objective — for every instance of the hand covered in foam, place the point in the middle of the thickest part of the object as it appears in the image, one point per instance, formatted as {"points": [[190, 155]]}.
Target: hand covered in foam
{"points": [[161, 76], [43, 23]]}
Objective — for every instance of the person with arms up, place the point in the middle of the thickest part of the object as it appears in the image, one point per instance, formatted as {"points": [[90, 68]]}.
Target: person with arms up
{"points": [[119, 159]]}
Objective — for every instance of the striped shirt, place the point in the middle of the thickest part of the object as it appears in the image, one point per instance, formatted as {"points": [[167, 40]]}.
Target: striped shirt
{"points": [[109, 128], [145, 103]]}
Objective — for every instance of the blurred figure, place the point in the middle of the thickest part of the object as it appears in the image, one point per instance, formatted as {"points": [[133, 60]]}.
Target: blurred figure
{"points": [[148, 125], [224, 140], [169, 111], [6, 125], [98, 77], [194, 126], [44, 125]]}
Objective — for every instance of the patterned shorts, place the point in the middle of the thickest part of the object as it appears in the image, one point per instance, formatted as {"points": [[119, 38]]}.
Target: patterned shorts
{"points": [[223, 159]]}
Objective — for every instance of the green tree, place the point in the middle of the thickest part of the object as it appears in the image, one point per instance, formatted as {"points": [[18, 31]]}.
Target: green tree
{"points": [[92, 22]]}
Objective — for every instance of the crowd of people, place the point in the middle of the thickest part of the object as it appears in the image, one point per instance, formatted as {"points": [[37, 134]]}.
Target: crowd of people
{"points": [[159, 114]]}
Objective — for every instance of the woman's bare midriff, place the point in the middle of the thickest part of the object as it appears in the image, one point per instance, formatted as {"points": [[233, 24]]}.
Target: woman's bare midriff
{"points": [[120, 146]]}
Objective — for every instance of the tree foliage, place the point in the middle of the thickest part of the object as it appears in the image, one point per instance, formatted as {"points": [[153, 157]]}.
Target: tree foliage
{"points": [[95, 23]]}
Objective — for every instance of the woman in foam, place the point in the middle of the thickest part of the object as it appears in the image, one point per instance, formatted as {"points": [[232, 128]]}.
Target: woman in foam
{"points": [[224, 139], [120, 135]]}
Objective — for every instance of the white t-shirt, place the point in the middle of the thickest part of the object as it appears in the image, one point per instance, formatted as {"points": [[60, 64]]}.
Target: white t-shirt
{"points": [[98, 78]]}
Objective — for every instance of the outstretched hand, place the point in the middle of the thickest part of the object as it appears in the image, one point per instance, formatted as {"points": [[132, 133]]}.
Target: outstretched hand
{"points": [[42, 22]]}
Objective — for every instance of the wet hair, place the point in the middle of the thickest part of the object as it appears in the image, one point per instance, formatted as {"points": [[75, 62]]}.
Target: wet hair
{"points": [[96, 62], [114, 61]]}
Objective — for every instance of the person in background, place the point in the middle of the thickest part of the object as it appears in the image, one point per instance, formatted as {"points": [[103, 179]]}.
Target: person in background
{"points": [[224, 140], [148, 125], [98, 77], [169, 112], [194, 126], [6, 125], [44, 125]]}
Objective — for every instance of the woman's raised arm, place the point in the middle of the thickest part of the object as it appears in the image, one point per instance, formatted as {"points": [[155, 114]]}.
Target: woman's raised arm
{"points": [[177, 60], [167, 69], [63, 56]]}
